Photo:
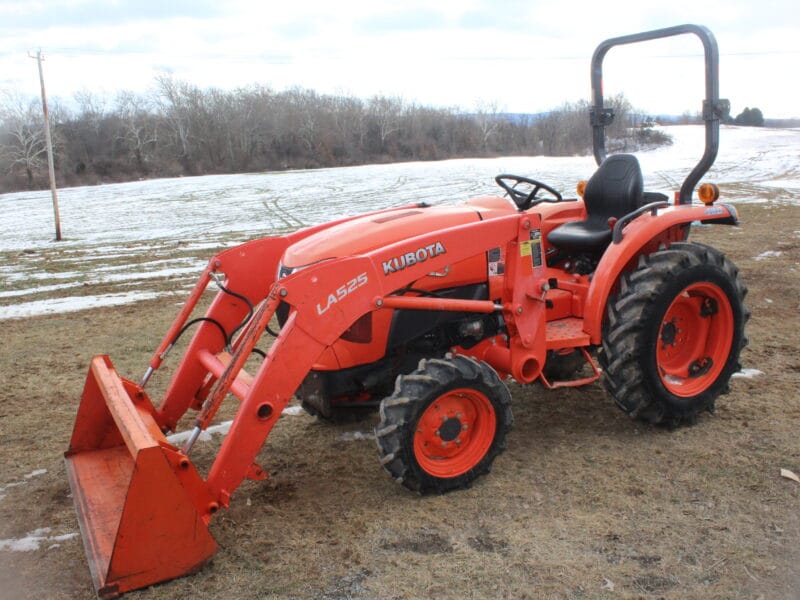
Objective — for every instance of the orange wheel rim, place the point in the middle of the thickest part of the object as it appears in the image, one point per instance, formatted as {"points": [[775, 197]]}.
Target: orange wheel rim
{"points": [[454, 433], [694, 339]]}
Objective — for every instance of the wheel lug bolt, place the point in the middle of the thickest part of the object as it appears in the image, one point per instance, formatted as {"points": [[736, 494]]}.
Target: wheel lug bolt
{"points": [[464, 427], [438, 433], [444, 444]]}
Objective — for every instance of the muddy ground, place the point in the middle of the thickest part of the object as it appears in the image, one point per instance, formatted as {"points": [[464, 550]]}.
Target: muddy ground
{"points": [[585, 503]]}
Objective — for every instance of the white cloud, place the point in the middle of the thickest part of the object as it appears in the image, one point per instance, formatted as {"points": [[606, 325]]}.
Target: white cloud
{"points": [[528, 56]]}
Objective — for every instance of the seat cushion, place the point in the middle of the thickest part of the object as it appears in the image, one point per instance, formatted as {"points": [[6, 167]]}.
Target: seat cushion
{"points": [[615, 189], [581, 237], [612, 192]]}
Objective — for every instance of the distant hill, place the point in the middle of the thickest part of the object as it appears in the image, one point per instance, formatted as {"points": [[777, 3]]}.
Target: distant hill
{"points": [[518, 118]]}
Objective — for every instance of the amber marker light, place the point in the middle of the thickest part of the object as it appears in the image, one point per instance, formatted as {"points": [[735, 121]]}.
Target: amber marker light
{"points": [[581, 188], [708, 193]]}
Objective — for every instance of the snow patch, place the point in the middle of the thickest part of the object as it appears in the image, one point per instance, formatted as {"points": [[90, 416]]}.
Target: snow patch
{"points": [[74, 303], [355, 436], [34, 539], [221, 429], [13, 484], [768, 254], [140, 274], [40, 290], [787, 184], [17, 273], [748, 373], [205, 436], [177, 439]]}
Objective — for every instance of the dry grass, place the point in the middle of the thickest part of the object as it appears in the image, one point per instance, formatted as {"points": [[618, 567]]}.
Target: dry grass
{"points": [[584, 504]]}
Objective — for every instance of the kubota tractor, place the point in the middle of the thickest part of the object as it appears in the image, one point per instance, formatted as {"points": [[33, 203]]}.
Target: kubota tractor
{"points": [[425, 311]]}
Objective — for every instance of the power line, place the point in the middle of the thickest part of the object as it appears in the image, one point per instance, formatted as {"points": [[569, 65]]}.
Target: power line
{"points": [[72, 52]]}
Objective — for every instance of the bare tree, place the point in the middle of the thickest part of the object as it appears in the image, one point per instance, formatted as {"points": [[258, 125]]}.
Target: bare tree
{"points": [[385, 113], [350, 122], [91, 130], [23, 148], [138, 128], [488, 121], [174, 99]]}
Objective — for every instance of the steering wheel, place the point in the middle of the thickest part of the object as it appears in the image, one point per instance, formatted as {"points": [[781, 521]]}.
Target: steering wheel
{"points": [[525, 200]]}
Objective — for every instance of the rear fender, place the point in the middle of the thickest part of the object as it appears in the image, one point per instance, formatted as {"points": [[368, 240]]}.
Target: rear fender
{"points": [[643, 235]]}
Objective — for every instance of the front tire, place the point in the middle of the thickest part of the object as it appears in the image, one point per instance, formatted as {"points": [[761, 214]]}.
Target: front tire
{"points": [[444, 424], [674, 334]]}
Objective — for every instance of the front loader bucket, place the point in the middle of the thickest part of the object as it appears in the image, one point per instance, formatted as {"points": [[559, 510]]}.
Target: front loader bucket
{"points": [[139, 500]]}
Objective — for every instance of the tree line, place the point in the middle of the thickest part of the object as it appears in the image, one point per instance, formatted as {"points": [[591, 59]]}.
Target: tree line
{"points": [[179, 129], [752, 117]]}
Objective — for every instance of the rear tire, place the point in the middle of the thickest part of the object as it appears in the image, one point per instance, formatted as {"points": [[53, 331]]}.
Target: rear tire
{"points": [[444, 424], [674, 334]]}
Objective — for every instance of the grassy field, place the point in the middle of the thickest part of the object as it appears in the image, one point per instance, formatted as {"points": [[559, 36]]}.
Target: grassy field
{"points": [[585, 503]]}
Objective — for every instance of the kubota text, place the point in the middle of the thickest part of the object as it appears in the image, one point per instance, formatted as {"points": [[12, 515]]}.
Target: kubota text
{"points": [[398, 263]]}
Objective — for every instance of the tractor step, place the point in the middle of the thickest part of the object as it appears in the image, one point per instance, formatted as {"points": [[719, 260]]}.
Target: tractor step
{"points": [[552, 385], [566, 333]]}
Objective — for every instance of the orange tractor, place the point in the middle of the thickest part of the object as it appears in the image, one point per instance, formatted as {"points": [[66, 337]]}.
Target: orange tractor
{"points": [[423, 311]]}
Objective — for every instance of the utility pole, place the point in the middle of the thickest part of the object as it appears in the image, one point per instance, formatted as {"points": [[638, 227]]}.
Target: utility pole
{"points": [[48, 141]]}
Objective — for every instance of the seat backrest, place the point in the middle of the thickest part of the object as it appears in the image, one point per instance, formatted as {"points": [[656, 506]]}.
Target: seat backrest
{"points": [[615, 189]]}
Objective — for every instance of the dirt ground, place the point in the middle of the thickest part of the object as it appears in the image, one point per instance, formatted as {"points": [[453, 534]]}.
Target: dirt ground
{"points": [[585, 503]]}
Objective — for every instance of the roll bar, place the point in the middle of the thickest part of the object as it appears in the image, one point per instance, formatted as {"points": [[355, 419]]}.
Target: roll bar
{"points": [[713, 108]]}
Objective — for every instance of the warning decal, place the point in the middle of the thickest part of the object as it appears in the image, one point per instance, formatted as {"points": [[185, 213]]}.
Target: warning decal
{"points": [[535, 247]]}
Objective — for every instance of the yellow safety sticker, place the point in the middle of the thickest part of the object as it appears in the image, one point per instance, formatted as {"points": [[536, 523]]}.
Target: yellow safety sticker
{"points": [[525, 249]]}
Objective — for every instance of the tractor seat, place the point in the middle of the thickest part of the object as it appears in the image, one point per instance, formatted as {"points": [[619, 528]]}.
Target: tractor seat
{"points": [[612, 192]]}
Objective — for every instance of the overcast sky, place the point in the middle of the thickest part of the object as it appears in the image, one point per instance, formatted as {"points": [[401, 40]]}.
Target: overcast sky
{"points": [[522, 55]]}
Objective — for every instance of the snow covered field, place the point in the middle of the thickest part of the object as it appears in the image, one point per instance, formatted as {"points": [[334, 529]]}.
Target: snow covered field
{"points": [[123, 241]]}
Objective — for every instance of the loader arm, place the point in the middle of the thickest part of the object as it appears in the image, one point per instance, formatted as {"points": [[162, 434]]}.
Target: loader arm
{"points": [[141, 502]]}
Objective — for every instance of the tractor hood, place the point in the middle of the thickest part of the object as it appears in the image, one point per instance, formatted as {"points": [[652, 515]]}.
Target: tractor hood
{"points": [[363, 234]]}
